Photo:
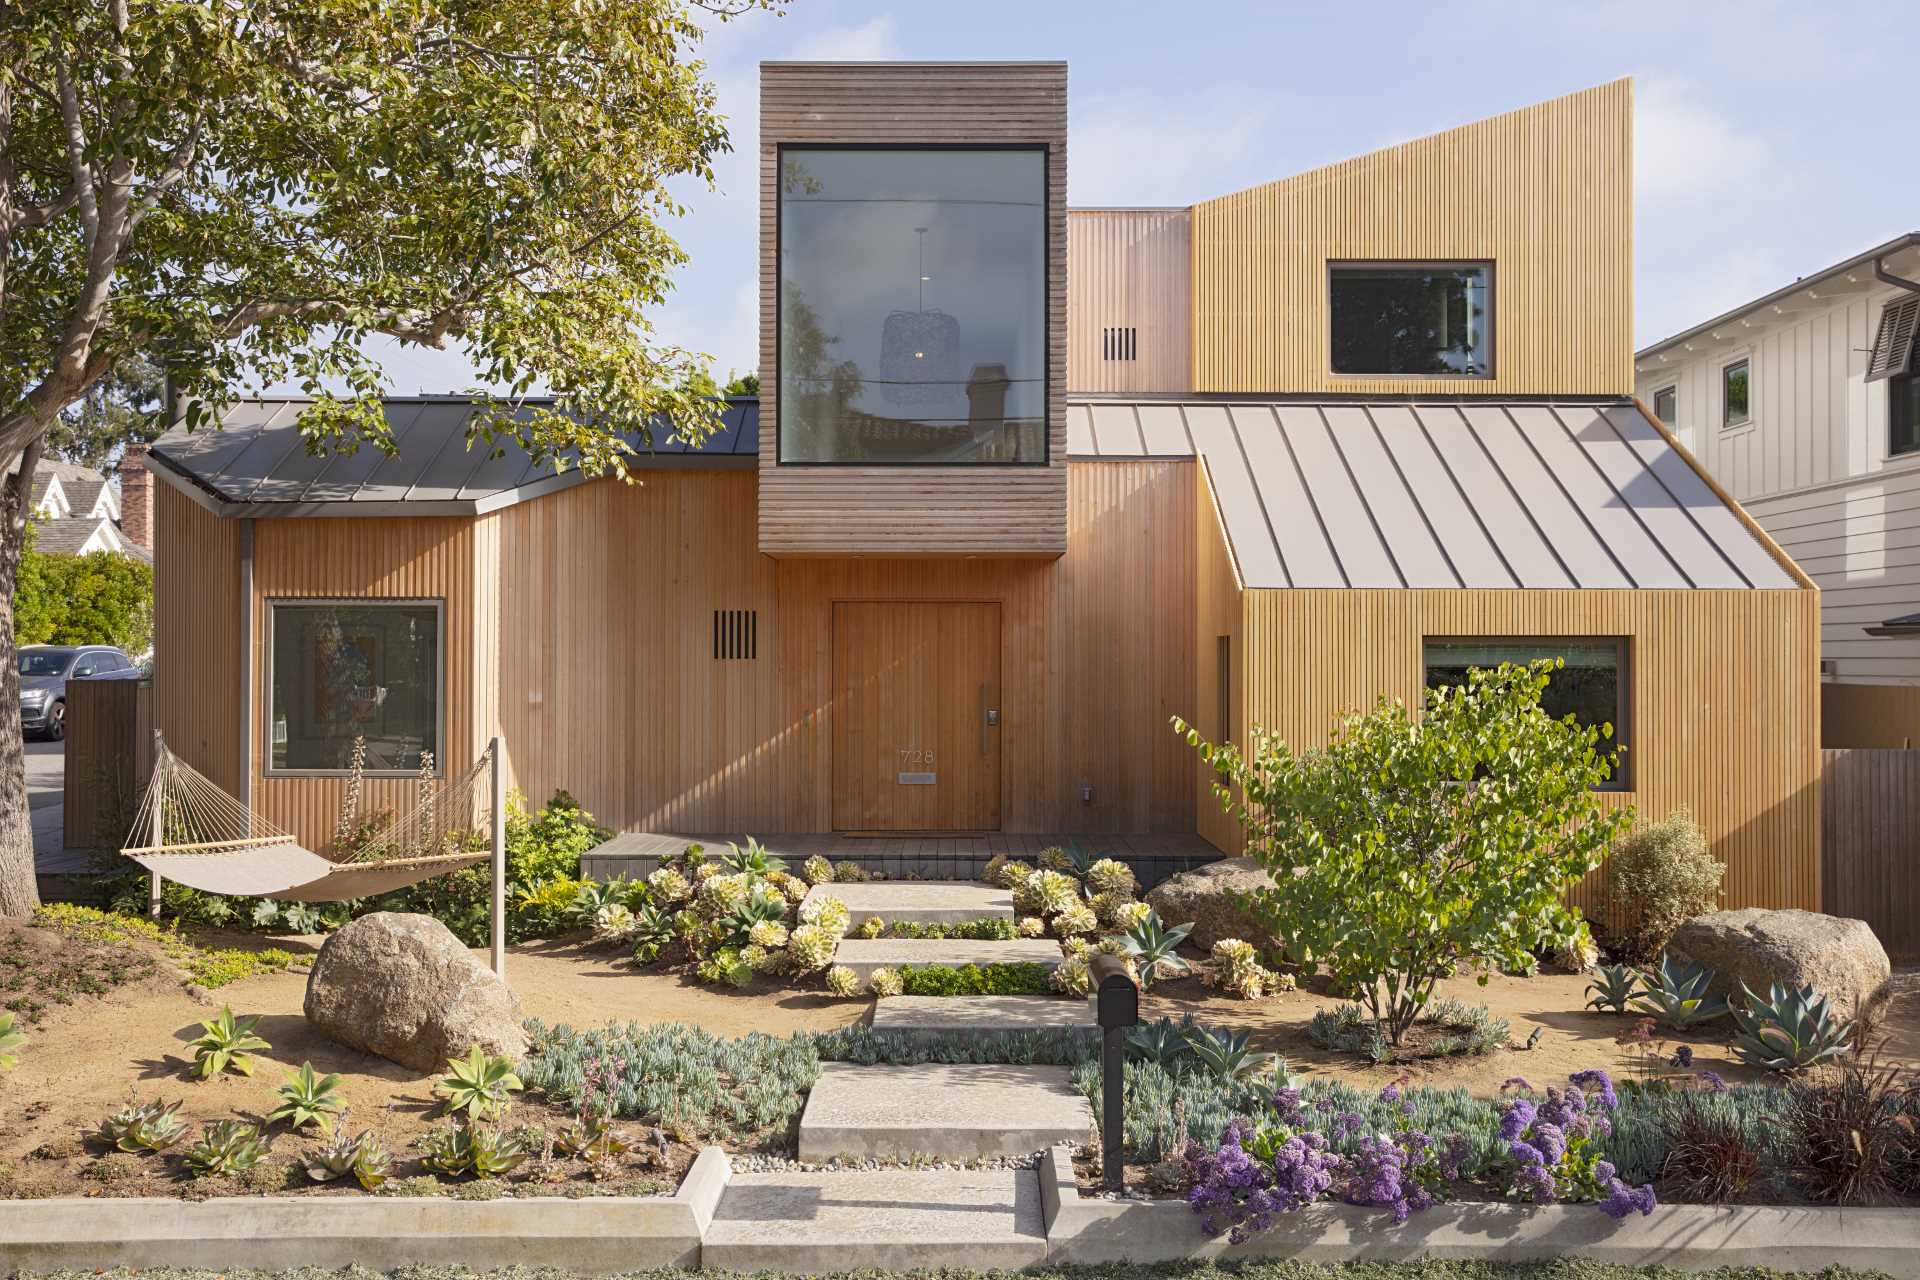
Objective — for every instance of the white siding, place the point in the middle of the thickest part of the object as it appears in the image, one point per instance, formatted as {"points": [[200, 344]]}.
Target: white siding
{"points": [[1812, 467]]}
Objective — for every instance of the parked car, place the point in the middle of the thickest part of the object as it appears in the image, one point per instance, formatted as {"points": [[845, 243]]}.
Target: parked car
{"points": [[44, 672]]}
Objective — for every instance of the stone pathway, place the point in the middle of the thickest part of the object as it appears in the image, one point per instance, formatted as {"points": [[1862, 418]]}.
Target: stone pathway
{"points": [[976, 1015], [864, 955], [948, 1112], [920, 902]]}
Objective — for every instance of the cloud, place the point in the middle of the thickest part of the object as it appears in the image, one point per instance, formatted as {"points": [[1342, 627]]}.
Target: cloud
{"points": [[1138, 150], [1684, 149]]}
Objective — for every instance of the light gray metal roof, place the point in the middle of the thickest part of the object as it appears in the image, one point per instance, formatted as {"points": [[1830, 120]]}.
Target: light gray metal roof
{"points": [[1472, 493], [257, 464]]}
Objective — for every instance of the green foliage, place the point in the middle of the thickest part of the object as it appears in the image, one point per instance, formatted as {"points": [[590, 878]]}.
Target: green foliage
{"points": [[1053, 1047], [336, 1158], [754, 860], [1459, 1028], [151, 1126], [1659, 876], [1226, 1054], [1410, 848], [1164, 1042], [1155, 948], [491, 1153], [226, 1043], [974, 980], [308, 1098], [373, 1166], [477, 1085], [99, 598], [988, 929], [1791, 1029], [226, 1149], [1678, 995], [1614, 988], [11, 1042]]}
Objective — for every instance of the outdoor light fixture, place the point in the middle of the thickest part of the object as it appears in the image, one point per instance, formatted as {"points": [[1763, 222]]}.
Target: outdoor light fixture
{"points": [[1116, 1006]]}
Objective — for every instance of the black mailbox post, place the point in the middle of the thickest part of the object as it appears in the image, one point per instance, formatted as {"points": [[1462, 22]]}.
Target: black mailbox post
{"points": [[1116, 1006]]}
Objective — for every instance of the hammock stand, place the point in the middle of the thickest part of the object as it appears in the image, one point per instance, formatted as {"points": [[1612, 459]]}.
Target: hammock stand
{"points": [[189, 830]]}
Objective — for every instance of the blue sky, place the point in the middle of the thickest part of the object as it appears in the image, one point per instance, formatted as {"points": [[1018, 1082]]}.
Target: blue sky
{"points": [[1770, 139]]}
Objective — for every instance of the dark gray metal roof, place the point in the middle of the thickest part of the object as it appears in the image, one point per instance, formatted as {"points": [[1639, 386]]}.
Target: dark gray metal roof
{"points": [[1469, 493], [257, 464]]}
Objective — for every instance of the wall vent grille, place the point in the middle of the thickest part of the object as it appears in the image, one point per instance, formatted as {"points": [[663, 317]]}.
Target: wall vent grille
{"points": [[736, 635], [1120, 343]]}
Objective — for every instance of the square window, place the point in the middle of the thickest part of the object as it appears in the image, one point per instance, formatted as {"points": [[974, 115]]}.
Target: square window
{"points": [[1591, 686], [346, 670], [1411, 318], [1734, 391]]}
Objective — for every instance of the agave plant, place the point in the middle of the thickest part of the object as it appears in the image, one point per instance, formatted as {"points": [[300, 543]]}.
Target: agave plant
{"points": [[152, 1126], [10, 1043], [226, 1042], [1792, 1029], [373, 1165], [754, 860], [448, 1151], [1678, 995], [760, 905], [1613, 988], [1225, 1055], [591, 1137], [337, 1158], [307, 1098], [652, 931], [1163, 1042], [491, 1152], [478, 1085], [226, 1147], [1155, 948]]}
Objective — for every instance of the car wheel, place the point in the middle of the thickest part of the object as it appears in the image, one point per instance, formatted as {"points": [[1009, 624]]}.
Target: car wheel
{"points": [[56, 722]]}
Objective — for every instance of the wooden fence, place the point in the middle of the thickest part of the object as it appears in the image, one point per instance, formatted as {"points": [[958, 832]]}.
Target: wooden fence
{"points": [[1869, 715], [109, 754], [1870, 843]]}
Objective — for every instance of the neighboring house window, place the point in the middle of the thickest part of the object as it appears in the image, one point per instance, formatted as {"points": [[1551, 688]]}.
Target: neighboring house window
{"points": [[913, 305], [346, 669], [1417, 319], [1735, 392], [1903, 415], [1666, 402], [1591, 687]]}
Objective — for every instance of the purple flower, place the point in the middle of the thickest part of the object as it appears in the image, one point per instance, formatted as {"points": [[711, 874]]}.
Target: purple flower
{"points": [[1683, 1057], [1346, 1124], [1550, 1142], [1292, 1111], [1623, 1200], [1453, 1157], [1713, 1081], [1599, 1087], [1391, 1093], [1516, 1117], [1515, 1082]]}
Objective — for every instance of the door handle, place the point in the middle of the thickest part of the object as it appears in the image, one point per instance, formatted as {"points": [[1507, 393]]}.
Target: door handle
{"points": [[989, 719]]}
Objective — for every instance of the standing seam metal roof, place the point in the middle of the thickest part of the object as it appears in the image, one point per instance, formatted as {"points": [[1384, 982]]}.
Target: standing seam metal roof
{"points": [[1480, 493]]}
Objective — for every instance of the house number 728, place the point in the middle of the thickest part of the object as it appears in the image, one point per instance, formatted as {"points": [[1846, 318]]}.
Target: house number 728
{"points": [[916, 756]]}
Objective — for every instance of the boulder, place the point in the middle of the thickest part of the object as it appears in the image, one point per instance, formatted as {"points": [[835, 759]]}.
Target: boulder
{"points": [[1839, 958], [404, 987], [1206, 897]]}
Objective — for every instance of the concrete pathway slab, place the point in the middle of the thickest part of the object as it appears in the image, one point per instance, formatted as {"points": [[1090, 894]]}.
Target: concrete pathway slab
{"points": [[921, 901], [965, 1112], [863, 955], [980, 1015], [889, 1219]]}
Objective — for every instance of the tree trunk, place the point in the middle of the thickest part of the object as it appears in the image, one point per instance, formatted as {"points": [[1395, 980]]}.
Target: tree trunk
{"points": [[19, 893]]}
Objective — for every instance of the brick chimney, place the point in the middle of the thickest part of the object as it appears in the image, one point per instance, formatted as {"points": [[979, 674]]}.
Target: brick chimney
{"points": [[136, 497]]}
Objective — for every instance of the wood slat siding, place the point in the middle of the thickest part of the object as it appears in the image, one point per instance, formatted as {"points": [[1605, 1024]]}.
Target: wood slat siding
{"points": [[1725, 710], [1545, 193], [1870, 843], [198, 625], [1869, 715], [1129, 268], [609, 688], [109, 755], [1219, 610], [894, 511]]}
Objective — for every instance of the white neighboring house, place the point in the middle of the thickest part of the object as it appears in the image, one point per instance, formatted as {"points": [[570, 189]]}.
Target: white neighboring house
{"points": [[1805, 406], [76, 511]]}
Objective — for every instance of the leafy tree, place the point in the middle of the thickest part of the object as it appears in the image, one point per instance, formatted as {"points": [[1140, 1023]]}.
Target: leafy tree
{"points": [[742, 384], [1408, 848], [98, 598], [122, 408], [248, 191]]}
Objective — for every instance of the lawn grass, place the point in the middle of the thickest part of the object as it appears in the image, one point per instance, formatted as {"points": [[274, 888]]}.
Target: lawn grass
{"points": [[1562, 1269]]}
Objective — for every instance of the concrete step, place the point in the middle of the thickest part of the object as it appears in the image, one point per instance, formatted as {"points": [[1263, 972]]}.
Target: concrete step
{"points": [[947, 1112], [979, 1015], [886, 1220], [863, 955], [921, 901]]}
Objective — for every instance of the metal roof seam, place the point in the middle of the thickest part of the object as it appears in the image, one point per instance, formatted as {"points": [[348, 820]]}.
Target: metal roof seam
{"points": [[1260, 499], [1566, 494], [1300, 475], [1466, 500], [1625, 503], [1426, 519], [298, 442], [1678, 503], [1539, 531], [1219, 521], [1360, 493]]}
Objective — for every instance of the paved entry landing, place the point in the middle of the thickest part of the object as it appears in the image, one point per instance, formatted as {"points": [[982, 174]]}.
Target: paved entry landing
{"points": [[950, 1112], [920, 901]]}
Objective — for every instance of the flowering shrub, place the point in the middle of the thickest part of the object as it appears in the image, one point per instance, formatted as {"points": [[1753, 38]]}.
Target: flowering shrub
{"points": [[1241, 1192], [1554, 1152]]}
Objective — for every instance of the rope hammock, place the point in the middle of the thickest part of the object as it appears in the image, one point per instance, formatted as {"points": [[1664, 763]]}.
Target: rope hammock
{"points": [[191, 831]]}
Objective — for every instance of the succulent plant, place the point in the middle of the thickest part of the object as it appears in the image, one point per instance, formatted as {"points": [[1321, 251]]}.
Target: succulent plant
{"points": [[871, 927], [761, 905], [1014, 874], [652, 931], [152, 1126], [884, 982], [720, 895], [1792, 1029], [1075, 921], [1128, 914], [225, 1148], [1070, 976], [817, 870], [1163, 1041], [10, 1043], [1110, 875], [754, 860], [668, 886], [994, 872], [1032, 927], [726, 967], [842, 981], [226, 1042], [768, 933], [614, 923], [477, 1085], [1613, 988], [1054, 858], [849, 872], [826, 912], [336, 1159], [790, 886], [374, 1164], [591, 1138], [491, 1152], [1155, 948], [447, 1150], [1679, 995], [1048, 893], [1236, 969], [308, 1098], [1228, 1055], [812, 947]]}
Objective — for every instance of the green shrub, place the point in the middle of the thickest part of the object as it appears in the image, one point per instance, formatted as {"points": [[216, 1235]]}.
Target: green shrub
{"points": [[98, 598], [1054, 1047], [975, 980], [990, 929], [1660, 875]]}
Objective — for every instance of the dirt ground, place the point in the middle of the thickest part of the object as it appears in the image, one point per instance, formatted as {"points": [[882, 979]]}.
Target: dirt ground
{"points": [[85, 1059]]}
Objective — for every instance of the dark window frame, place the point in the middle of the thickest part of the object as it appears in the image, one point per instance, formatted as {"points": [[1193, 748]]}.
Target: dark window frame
{"points": [[1902, 387], [1046, 293], [1653, 403], [439, 606], [1418, 264], [1623, 735], [1746, 419]]}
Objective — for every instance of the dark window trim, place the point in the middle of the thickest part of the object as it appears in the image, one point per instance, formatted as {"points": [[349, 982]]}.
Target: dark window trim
{"points": [[1653, 401], [1493, 316], [1046, 292], [439, 606], [1907, 384], [1622, 779], [1728, 424]]}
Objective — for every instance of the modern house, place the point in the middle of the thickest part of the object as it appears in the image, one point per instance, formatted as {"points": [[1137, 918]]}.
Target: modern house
{"points": [[1024, 482], [1805, 404]]}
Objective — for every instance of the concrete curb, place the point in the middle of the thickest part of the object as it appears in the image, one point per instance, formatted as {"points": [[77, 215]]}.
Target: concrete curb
{"points": [[1685, 1237], [596, 1234]]}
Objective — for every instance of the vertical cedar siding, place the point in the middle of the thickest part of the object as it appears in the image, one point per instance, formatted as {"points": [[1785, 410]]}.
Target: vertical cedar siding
{"points": [[197, 628], [914, 510], [1127, 268], [1544, 193]]}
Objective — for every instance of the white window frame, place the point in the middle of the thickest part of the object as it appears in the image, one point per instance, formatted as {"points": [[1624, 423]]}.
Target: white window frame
{"points": [[1720, 392], [439, 606]]}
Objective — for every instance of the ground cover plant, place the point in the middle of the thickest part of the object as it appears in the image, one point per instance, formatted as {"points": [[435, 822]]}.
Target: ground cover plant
{"points": [[1449, 1027], [1408, 849], [104, 959]]}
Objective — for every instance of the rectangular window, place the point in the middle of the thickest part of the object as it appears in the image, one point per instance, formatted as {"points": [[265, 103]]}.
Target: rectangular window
{"points": [[1666, 404], [346, 669], [1419, 319], [913, 305], [1903, 415], [1223, 666], [1734, 392], [1591, 687]]}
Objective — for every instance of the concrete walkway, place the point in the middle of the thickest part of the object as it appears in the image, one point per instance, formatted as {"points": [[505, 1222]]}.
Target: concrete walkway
{"points": [[967, 1112]]}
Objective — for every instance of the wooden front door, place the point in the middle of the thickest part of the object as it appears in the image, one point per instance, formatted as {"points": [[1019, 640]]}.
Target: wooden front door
{"points": [[916, 716]]}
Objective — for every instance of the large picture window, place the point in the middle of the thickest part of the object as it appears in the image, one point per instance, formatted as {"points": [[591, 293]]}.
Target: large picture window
{"points": [[343, 670], [1591, 687], [913, 305], [1411, 318]]}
